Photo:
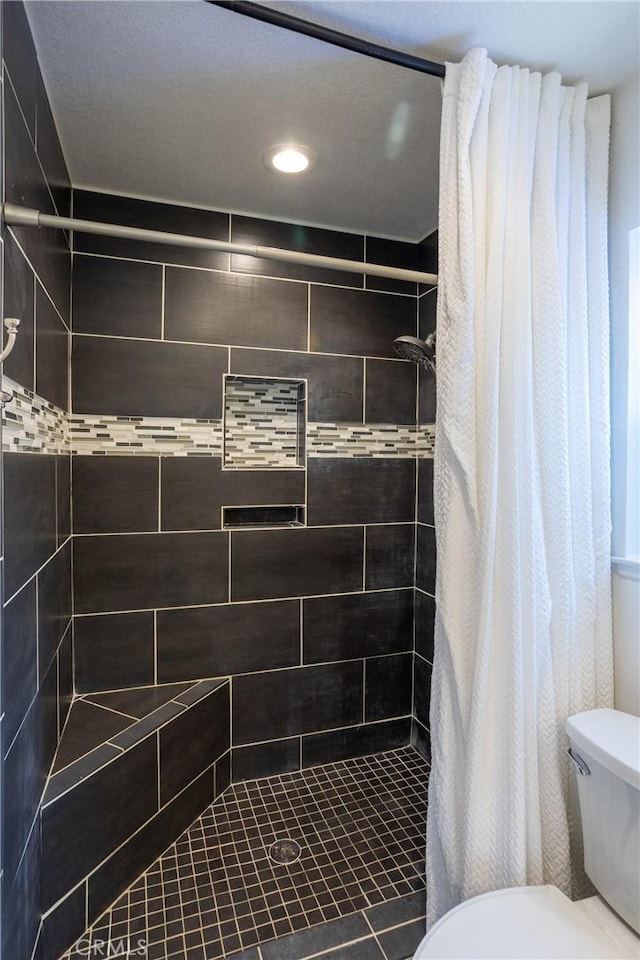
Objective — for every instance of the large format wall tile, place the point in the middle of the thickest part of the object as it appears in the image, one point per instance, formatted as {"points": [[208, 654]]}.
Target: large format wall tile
{"points": [[193, 741], [115, 494], [194, 490], [294, 236], [390, 392], [427, 313], [425, 611], [64, 925], [422, 690], [23, 779], [52, 353], [165, 217], [63, 497], [86, 824], [122, 868], [392, 253], [19, 660], [335, 383], [137, 571], [268, 706], [54, 605], [19, 302], [50, 152], [354, 741], [140, 377], [24, 772], [295, 563], [357, 625], [426, 559], [25, 186], [29, 516], [21, 900], [389, 556], [117, 298], [218, 641], [19, 54], [226, 308], [360, 490], [426, 396], [388, 687], [425, 491], [114, 650], [359, 322], [265, 759]]}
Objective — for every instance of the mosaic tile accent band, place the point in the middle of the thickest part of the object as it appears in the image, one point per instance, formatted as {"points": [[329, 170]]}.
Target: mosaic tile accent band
{"points": [[33, 425], [369, 440], [171, 436]]}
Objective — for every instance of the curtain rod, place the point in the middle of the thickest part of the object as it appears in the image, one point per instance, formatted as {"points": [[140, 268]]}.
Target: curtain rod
{"points": [[25, 217], [338, 39]]}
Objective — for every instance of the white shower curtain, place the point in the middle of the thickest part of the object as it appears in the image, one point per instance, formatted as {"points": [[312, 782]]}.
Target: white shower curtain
{"points": [[523, 625]]}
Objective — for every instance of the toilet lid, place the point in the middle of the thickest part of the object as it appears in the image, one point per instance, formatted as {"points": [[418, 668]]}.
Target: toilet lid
{"points": [[523, 923]]}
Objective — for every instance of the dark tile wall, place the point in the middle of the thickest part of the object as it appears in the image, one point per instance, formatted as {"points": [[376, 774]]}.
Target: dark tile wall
{"points": [[36, 650], [425, 570], [313, 624]]}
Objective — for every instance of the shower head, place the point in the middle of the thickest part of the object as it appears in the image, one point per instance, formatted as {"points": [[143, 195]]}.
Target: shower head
{"points": [[419, 351]]}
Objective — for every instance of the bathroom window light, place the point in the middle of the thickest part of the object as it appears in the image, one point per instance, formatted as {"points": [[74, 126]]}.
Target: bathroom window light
{"points": [[290, 158]]}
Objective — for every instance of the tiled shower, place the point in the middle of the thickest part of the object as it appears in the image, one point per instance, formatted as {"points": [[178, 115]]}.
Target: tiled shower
{"points": [[218, 544]]}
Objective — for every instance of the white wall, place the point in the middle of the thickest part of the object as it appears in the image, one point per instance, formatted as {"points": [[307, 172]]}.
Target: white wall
{"points": [[624, 217]]}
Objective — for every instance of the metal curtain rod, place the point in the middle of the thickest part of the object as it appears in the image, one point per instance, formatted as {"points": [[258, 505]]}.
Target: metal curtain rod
{"points": [[258, 12], [24, 217]]}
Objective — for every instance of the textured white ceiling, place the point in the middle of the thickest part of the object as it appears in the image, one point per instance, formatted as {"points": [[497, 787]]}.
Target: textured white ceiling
{"points": [[179, 100]]}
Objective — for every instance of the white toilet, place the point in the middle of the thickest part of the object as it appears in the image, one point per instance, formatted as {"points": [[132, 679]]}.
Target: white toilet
{"points": [[536, 923]]}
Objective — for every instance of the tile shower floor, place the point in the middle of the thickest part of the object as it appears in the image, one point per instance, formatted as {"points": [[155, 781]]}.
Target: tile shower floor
{"points": [[216, 892]]}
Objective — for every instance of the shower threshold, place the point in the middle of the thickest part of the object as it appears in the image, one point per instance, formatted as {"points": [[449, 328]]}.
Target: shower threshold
{"points": [[356, 890]]}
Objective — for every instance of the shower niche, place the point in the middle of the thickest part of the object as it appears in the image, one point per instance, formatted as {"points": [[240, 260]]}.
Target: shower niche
{"points": [[264, 423], [264, 429]]}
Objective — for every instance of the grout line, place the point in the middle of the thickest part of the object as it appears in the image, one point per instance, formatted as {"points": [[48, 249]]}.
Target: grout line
{"points": [[163, 287], [102, 706], [32, 139], [303, 354], [256, 529], [256, 276], [35, 337], [160, 494], [237, 603], [364, 558], [160, 768], [155, 648], [364, 390], [37, 277]]}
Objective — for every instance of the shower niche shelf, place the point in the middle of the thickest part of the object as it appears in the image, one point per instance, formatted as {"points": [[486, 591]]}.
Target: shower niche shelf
{"points": [[264, 423], [235, 518]]}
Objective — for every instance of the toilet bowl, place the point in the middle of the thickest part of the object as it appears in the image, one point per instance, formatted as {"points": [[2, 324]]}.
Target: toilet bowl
{"points": [[529, 923], [536, 923]]}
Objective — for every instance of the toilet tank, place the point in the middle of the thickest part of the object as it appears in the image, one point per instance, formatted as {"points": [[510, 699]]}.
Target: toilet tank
{"points": [[608, 744]]}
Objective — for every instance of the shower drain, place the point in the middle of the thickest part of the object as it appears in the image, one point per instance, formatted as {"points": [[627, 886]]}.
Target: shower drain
{"points": [[285, 851]]}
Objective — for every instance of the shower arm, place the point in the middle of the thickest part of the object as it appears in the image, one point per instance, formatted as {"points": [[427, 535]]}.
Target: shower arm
{"points": [[24, 217]]}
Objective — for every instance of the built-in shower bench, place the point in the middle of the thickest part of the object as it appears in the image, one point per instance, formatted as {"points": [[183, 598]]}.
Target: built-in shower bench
{"points": [[133, 769]]}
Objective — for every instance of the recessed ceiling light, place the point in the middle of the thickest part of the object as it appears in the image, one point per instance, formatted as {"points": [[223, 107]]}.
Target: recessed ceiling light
{"points": [[290, 158]]}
